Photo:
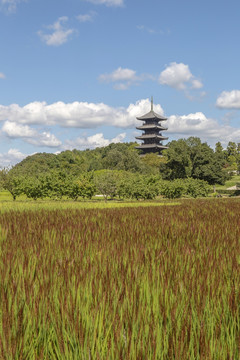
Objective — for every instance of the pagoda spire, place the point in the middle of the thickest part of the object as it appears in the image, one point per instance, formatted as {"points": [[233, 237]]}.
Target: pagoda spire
{"points": [[151, 103]]}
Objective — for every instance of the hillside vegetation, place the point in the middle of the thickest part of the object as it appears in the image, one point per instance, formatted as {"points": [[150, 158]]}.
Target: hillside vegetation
{"points": [[187, 167]]}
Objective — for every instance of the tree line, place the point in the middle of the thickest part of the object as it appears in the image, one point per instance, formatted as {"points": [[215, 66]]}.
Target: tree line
{"points": [[187, 168], [109, 183]]}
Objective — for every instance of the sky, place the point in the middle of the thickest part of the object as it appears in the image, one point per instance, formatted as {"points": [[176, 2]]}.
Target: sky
{"points": [[75, 74]]}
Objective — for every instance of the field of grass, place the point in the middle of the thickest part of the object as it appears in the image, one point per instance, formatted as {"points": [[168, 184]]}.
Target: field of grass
{"points": [[24, 204], [139, 283], [232, 182], [31, 205]]}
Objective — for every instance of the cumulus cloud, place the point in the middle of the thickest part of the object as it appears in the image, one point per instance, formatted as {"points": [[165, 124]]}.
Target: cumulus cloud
{"points": [[59, 35], [2, 76], [10, 5], [93, 141], [119, 75], [86, 17], [197, 124], [108, 2], [11, 157], [123, 78], [229, 100], [32, 136], [179, 76], [76, 114]]}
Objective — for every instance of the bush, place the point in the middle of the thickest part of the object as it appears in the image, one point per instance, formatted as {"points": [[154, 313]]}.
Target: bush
{"points": [[135, 186], [190, 187], [196, 188], [173, 189]]}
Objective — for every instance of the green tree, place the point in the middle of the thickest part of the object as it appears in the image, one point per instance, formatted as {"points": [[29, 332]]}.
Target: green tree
{"points": [[178, 161], [83, 186], [152, 163], [191, 158], [218, 148], [173, 189], [11, 183], [106, 182], [56, 183], [35, 188], [136, 186], [196, 188]]}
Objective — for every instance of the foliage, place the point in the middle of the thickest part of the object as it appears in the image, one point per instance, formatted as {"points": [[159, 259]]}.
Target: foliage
{"points": [[123, 172], [106, 182], [83, 187], [196, 188], [173, 189], [56, 184], [11, 183], [192, 158], [35, 188], [112, 157], [190, 187], [136, 186]]}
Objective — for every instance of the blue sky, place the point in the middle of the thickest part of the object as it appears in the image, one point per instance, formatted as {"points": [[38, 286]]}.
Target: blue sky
{"points": [[76, 73]]}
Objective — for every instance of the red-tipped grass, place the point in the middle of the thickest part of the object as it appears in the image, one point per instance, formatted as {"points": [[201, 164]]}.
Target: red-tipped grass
{"points": [[131, 283]]}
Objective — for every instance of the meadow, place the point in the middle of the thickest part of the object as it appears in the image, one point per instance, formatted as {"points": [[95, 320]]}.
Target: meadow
{"points": [[146, 282]]}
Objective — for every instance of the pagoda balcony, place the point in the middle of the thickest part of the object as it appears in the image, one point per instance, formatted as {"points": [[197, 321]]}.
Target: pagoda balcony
{"points": [[151, 127], [151, 136], [151, 146]]}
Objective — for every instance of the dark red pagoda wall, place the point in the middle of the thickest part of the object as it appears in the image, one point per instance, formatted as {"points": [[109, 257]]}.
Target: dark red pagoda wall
{"points": [[151, 132], [151, 122], [152, 141]]}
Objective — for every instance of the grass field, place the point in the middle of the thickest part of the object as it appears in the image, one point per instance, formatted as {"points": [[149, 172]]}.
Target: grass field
{"points": [[31, 205], [232, 182], [156, 282]]}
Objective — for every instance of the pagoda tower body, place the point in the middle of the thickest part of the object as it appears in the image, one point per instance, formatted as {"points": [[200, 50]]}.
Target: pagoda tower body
{"points": [[152, 132]]}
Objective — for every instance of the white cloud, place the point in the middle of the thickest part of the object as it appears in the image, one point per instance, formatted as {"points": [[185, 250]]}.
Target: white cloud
{"points": [[2, 76], [11, 157], [16, 131], [119, 75], [123, 78], [179, 77], [60, 34], [86, 17], [91, 142], [10, 5], [108, 2], [229, 100], [199, 125], [76, 114], [196, 84]]}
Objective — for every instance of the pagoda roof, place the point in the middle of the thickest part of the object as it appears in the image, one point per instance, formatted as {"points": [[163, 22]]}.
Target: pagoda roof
{"points": [[151, 136], [151, 146], [152, 115], [151, 126]]}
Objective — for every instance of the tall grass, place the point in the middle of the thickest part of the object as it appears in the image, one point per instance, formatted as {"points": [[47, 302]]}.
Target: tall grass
{"points": [[128, 283], [33, 205]]}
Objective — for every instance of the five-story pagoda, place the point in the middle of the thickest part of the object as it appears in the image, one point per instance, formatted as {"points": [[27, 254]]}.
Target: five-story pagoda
{"points": [[152, 137]]}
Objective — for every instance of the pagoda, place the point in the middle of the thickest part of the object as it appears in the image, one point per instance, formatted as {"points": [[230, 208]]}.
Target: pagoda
{"points": [[152, 137]]}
